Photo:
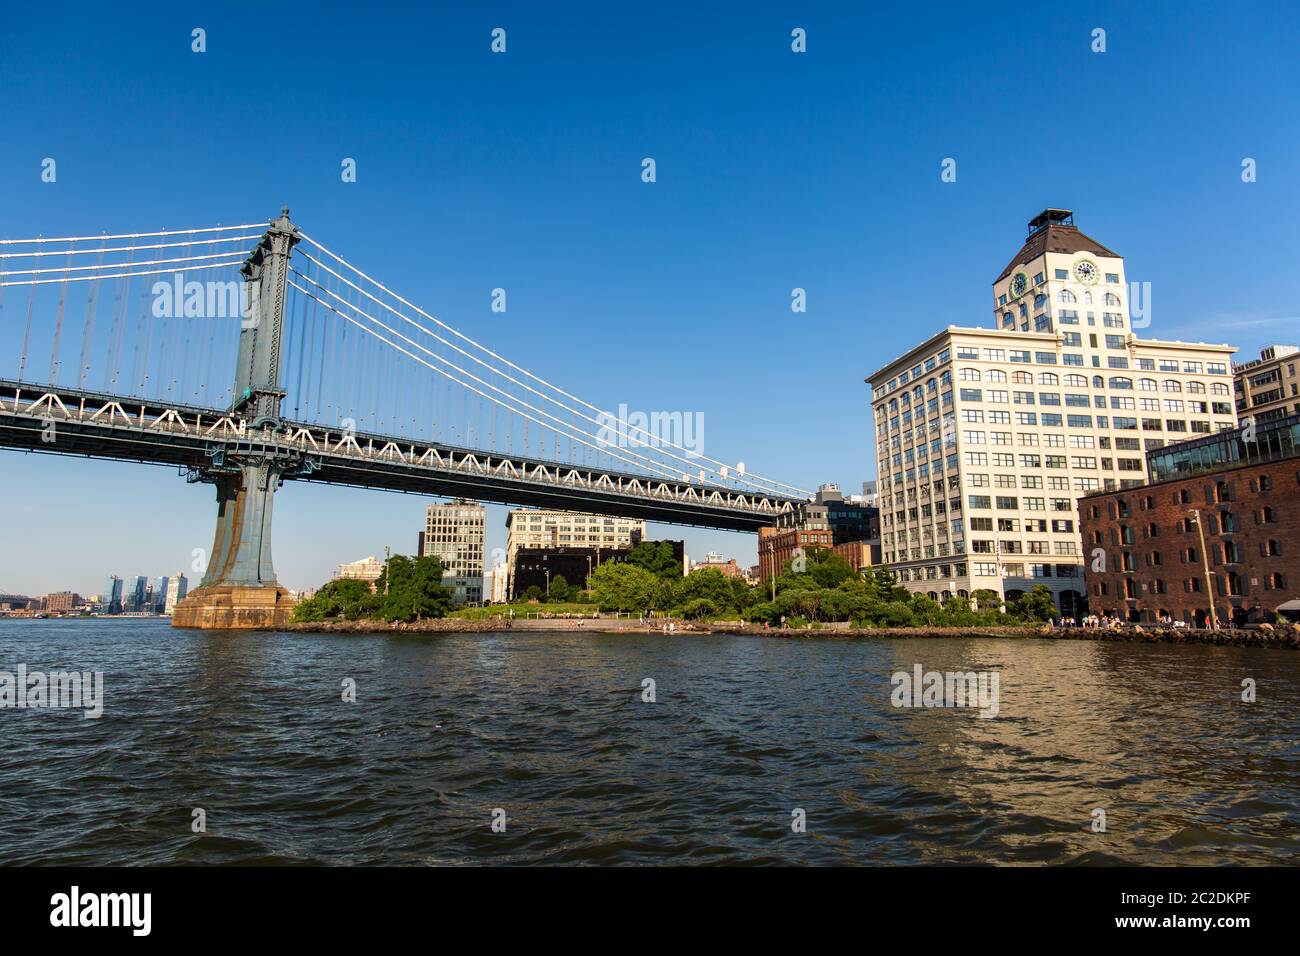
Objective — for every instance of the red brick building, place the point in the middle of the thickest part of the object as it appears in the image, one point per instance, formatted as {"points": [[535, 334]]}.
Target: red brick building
{"points": [[828, 521], [1218, 525]]}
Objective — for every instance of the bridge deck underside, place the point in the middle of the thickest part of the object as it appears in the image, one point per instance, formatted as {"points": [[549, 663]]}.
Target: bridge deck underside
{"points": [[152, 439]]}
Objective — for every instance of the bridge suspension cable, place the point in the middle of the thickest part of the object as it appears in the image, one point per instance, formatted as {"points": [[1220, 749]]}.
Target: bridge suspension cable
{"points": [[160, 354], [722, 471], [663, 471]]}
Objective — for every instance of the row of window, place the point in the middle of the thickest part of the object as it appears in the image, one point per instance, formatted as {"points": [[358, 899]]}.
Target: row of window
{"points": [[1231, 584]]}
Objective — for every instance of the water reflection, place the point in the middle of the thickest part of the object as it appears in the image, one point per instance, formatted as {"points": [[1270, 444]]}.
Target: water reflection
{"points": [[551, 727]]}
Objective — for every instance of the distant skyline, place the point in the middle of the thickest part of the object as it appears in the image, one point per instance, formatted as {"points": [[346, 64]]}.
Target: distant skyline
{"points": [[775, 170]]}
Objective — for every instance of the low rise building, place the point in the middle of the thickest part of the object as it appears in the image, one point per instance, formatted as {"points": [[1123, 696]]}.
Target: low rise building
{"points": [[1268, 387], [717, 562], [1214, 535], [826, 521], [367, 569]]}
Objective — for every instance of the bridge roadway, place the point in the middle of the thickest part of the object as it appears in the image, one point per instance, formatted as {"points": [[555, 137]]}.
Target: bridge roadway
{"points": [[66, 421]]}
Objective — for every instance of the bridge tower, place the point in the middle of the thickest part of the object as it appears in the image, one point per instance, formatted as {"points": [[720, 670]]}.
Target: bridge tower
{"points": [[239, 589]]}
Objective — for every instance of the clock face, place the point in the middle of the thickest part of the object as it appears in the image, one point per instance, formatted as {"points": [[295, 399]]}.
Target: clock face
{"points": [[1085, 271], [1019, 283]]}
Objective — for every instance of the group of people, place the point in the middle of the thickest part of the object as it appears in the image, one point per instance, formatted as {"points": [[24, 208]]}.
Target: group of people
{"points": [[1104, 622], [1092, 622]]}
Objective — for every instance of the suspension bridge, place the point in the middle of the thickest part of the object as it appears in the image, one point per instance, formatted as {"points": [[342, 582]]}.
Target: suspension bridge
{"points": [[248, 355]]}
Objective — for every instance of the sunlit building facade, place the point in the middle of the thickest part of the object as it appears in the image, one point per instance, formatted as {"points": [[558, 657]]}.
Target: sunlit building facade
{"points": [[986, 438]]}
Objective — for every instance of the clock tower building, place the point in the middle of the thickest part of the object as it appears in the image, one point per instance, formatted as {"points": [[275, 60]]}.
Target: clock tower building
{"points": [[1061, 281], [987, 438]]}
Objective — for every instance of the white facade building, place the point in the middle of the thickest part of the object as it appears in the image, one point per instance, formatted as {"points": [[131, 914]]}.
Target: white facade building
{"points": [[566, 529], [985, 438]]}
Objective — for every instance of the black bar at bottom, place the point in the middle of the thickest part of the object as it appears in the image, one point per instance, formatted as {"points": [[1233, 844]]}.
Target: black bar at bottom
{"points": [[946, 905]]}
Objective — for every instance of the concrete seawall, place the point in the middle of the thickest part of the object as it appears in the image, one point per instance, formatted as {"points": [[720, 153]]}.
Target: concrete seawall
{"points": [[1286, 637]]}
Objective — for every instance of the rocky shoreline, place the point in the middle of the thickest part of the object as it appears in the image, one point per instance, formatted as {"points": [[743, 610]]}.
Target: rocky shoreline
{"points": [[1282, 636]]}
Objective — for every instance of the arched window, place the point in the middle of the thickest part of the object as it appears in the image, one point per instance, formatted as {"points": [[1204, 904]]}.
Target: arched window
{"points": [[1111, 299], [1120, 381], [1196, 388], [996, 375], [1066, 296], [1076, 381], [1087, 298], [1022, 378], [969, 374], [1098, 382], [1218, 388], [1147, 384], [1172, 385]]}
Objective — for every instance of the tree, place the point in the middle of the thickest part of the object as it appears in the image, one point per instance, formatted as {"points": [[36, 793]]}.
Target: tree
{"points": [[411, 589], [624, 587], [699, 609], [707, 584], [1036, 604], [560, 590], [986, 599], [656, 557], [345, 598]]}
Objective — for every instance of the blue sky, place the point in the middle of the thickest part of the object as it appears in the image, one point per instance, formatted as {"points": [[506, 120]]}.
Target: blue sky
{"points": [[522, 171]]}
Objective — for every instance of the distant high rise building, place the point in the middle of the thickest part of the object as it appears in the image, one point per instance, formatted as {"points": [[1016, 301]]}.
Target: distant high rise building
{"points": [[500, 584], [158, 599], [111, 599], [454, 534], [177, 587], [139, 597]]}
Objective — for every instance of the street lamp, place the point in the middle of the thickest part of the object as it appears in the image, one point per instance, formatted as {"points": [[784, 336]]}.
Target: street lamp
{"points": [[1205, 566]]}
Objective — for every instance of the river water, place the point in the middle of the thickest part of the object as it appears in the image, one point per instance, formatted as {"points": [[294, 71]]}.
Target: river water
{"points": [[551, 728]]}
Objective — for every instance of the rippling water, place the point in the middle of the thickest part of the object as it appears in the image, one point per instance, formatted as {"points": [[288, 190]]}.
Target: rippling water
{"points": [[551, 728]]}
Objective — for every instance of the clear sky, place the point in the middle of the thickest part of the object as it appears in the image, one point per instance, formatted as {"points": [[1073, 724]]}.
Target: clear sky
{"points": [[521, 170]]}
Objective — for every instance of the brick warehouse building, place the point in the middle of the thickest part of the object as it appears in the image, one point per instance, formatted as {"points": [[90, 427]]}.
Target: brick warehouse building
{"points": [[1218, 519]]}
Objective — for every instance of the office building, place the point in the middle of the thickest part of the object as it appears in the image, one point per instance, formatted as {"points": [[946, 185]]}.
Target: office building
{"points": [[454, 533], [529, 528], [986, 438], [1212, 536], [1268, 387], [158, 595], [177, 587], [111, 599]]}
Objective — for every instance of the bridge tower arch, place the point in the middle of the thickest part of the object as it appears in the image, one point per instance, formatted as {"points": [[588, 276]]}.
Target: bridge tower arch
{"points": [[239, 589]]}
